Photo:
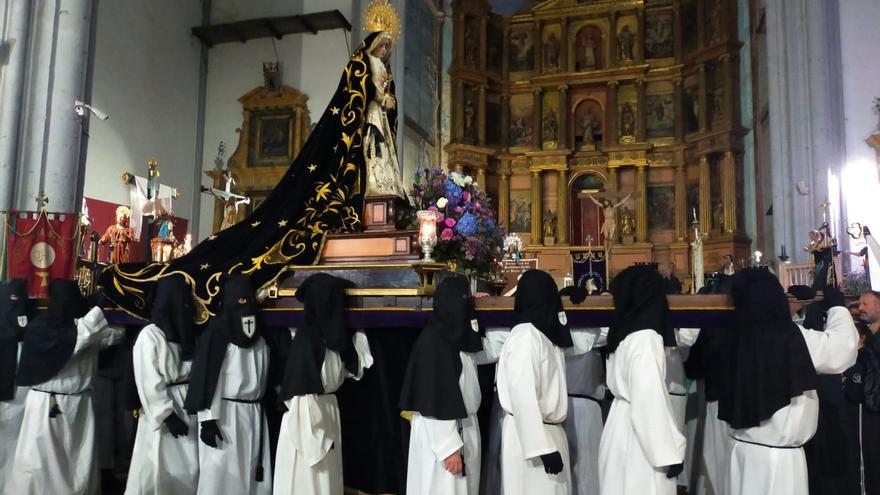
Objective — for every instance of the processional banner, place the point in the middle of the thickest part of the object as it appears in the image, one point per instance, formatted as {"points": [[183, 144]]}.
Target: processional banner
{"points": [[590, 270], [40, 247]]}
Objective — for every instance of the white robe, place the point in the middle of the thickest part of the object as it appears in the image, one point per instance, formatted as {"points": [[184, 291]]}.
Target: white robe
{"points": [[58, 455], [231, 467], [160, 463], [432, 440], [679, 395], [758, 469], [641, 434], [717, 445], [11, 417], [309, 454], [533, 393], [490, 472], [585, 378]]}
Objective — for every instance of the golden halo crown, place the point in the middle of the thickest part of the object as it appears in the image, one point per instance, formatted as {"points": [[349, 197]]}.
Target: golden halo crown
{"points": [[380, 15], [123, 211]]}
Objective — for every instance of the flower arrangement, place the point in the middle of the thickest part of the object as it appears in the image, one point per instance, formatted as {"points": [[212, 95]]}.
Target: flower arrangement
{"points": [[469, 237]]}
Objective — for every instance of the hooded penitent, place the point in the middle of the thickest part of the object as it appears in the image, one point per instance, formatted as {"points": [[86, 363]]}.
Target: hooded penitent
{"points": [[235, 324], [639, 294], [430, 385], [325, 327], [173, 313], [14, 314], [537, 301], [704, 358], [765, 361], [322, 192], [50, 338]]}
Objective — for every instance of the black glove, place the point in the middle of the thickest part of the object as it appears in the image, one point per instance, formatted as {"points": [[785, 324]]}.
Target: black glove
{"points": [[832, 297], [802, 292], [552, 463], [210, 433], [576, 294], [674, 470], [176, 426]]}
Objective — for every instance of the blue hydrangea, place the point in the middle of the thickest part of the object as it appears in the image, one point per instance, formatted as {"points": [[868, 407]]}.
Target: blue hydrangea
{"points": [[452, 190], [467, 225]]}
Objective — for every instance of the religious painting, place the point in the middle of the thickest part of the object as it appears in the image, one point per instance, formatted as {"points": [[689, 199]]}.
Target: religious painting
{"points": [[552, 49], [588, 48], [660, 121], [689, 28], [472, 42], [520, 210], [522, 49], [521, 128], [494, 49], [661, 207], [588, 124], [493, 115], [273, 145], [658, 35]]}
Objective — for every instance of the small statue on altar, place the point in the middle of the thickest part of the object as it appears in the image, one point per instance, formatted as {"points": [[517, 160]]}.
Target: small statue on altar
{"points": [[380, 151], [551, 127], [469, 113], [609, 226], [718, 215], [627, 121], [626, 41], [119, 236], [588, 124], [589, 52], [549, 229], [697, 256], [627, 222], [551, 52]]}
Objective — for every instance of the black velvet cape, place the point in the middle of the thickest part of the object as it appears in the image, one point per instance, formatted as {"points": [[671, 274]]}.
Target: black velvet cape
{"points": [[322, 192], [11, 333]]}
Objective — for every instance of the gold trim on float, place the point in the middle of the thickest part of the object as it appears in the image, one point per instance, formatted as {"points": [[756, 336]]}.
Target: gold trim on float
{"points": [[367, 292]]}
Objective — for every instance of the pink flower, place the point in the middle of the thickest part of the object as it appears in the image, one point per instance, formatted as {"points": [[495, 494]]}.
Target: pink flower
{"points": [[466, 196], [440, 217], [459, 209], [450, 222], [447, 233], [432, 208]]}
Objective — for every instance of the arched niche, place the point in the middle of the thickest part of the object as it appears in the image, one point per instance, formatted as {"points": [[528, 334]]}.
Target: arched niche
{"points": [[586, 217], [587, 49], [579, 113]]}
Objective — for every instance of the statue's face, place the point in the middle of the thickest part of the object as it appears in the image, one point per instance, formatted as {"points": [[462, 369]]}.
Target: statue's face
{"points": [[382, 50]]}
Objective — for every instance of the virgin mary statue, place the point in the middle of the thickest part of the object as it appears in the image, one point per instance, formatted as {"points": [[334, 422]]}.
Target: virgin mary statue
{"points": [[349, 154]]}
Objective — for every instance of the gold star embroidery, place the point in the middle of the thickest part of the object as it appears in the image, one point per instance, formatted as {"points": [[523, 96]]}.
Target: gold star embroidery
{"points": [[212, 237], [334, 110], [282, 223], [312, 167], [205, 266], [255, 224]]}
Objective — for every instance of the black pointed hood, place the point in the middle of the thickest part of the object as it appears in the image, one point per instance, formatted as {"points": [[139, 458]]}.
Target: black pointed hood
{"points": [[174, 312], [640, 303], [537, 301]]}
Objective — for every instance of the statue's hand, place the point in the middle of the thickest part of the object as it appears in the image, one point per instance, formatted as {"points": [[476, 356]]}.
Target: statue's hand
{"points": [[390, 102]]}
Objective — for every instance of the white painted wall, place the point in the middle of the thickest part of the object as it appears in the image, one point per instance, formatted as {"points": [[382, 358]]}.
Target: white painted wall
{"points": [[146, 76]]}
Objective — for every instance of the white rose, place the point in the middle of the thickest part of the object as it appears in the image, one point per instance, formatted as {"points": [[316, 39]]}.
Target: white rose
{"points": [[441, 203]]}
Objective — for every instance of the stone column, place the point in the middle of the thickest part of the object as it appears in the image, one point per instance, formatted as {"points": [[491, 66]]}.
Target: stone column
{"points": [[564, 115], [728, 191], [504, 195], [681, 213], [704, 100], [537, 220], [563, 52], [678, 104], [611, 114], [537, 118], [641, 115], [481, 115], [677, 33], [612, 40], [12, 95], [458, 116], [641, 204], [52, 132], [640, 37], [505, 120], [562, 216], [705, 195]]}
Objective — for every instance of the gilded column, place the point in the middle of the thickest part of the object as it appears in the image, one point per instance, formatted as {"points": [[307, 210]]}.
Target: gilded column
{"points": [[481, 178], [539, 47], [705, 195], [611, 113], [677, 33], [612, 40], [297, 130], [536, 207], [681, 214], [458, 120], [678, 104], [562, 216], [563, 52], [731, 111], [537, 115], [642, 204], [704, 100], [728, 191], [481, 115], [641, 115], [504, 195], [505, 120], [612, 179], [563, 117]]}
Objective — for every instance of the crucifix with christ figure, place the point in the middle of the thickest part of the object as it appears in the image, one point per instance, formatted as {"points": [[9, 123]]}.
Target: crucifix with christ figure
{"points": [[609, 210]]}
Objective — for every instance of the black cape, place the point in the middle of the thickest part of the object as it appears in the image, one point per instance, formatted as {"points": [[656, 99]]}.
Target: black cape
{"points": [[223, 329], [325, 326], [50, 338], [321, 193], [537, 301], [704, 357], [765, 361], [11, 333], [430, 386], [640, 303]]}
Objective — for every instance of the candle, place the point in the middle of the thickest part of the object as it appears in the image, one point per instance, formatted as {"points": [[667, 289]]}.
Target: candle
{"points": [[695, 214], [758, 255]]}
